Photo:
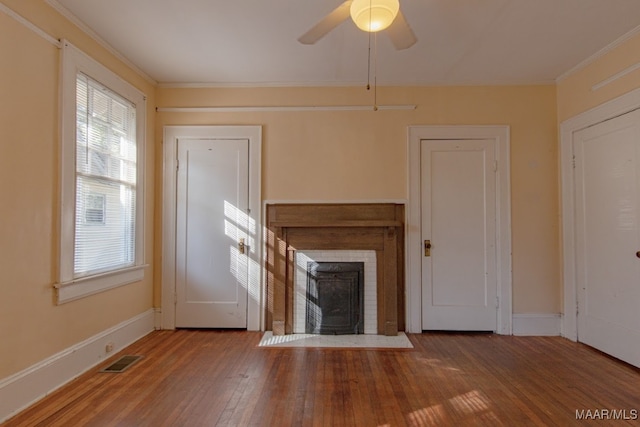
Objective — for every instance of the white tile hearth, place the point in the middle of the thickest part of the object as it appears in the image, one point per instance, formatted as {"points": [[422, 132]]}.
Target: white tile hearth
{"points": [[335, 341]]}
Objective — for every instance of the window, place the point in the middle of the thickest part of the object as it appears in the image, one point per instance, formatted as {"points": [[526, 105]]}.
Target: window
{"points": [[101, 178], [94, 209]]}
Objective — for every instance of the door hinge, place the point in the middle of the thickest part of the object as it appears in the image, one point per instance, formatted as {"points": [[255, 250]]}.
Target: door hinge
{"points": [[175, 298], [177, 165], [573, 161], [495, 166]]}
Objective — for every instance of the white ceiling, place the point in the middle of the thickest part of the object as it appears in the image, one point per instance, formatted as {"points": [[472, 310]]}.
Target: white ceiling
{"points": [[254, 42]]}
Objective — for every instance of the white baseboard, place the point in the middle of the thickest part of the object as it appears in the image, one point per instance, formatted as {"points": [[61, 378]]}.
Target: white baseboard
{"points": [[537, 324], [24, 388]]}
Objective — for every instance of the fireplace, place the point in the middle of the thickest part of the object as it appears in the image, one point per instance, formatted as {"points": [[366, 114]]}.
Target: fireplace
{"points": [[295, 229], [334, 299], [306, 258]]}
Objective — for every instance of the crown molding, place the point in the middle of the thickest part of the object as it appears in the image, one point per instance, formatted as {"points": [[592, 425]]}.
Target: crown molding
{"points": [[599, 54], [30, 25], [87, 30], [274, 108]]}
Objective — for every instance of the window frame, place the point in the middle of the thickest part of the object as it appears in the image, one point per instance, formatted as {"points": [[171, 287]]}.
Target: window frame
{"points": [[69, 286]]}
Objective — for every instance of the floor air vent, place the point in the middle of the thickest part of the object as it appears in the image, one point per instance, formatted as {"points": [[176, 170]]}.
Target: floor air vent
{"points": [[121, 364]]}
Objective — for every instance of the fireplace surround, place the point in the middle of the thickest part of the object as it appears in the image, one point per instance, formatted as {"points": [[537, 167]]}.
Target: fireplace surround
{"points": [[375, 227]]}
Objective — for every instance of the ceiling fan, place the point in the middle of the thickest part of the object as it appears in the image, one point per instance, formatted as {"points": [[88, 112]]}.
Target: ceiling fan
{"points": [[369, 16]]}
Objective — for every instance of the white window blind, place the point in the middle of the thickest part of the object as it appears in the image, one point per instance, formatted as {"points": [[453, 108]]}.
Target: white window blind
{"points": [[105, 179], [101, 179]]}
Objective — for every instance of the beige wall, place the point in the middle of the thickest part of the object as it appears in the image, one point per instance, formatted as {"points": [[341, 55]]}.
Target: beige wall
{"points": [[576, 93], [361, 155], [32, 327]]}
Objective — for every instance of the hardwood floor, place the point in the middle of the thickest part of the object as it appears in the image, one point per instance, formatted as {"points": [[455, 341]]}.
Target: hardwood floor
{"points": [[220, 378]]}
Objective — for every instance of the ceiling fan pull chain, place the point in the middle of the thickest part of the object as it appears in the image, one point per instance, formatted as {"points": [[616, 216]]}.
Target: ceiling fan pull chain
{"points": [[375, 72], [369, 65]]}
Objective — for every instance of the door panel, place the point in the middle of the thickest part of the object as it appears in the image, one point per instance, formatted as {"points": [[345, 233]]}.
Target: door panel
{"points": [[607, 203], [211, 271], [459, 219]]}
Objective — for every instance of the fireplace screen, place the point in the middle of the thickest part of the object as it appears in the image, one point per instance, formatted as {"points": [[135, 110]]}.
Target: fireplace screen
{"points": [[335, 292]]}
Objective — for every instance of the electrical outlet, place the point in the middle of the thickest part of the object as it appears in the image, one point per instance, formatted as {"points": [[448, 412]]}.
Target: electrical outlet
{"points": [[108, 348]]}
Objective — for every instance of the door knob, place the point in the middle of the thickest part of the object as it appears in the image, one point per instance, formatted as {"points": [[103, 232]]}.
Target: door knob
{"points": [[427, 248], [242, 246]]}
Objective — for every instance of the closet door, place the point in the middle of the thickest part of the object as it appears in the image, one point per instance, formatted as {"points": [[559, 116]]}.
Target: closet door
{"points": [[607, 180]]}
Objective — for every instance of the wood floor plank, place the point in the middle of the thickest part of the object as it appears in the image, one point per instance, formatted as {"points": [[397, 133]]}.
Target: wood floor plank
{"points": [[222, 378]]}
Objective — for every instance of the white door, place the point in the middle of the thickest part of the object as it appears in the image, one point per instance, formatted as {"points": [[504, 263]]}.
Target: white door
{"points": [[211, 268], [607, 179], [459, 281]]}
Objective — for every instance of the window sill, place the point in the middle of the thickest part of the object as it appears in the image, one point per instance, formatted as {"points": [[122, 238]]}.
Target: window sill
{"points": [[85, 286]]}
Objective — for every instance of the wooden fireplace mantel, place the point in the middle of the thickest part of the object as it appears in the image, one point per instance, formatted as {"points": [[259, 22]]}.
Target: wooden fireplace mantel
{"points": [[352, 226]]}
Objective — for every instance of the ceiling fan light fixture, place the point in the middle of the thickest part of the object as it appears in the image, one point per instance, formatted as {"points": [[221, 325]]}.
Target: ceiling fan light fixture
{"points": [[374, 15]]}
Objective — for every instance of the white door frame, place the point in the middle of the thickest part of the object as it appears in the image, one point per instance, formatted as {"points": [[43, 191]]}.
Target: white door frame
{"points": [[603, 112], [503, 218], [170, 153]]}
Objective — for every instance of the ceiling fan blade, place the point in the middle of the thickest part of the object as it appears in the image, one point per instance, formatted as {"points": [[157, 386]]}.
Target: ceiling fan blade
{"points": [[400, 33], [328, 23]]}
